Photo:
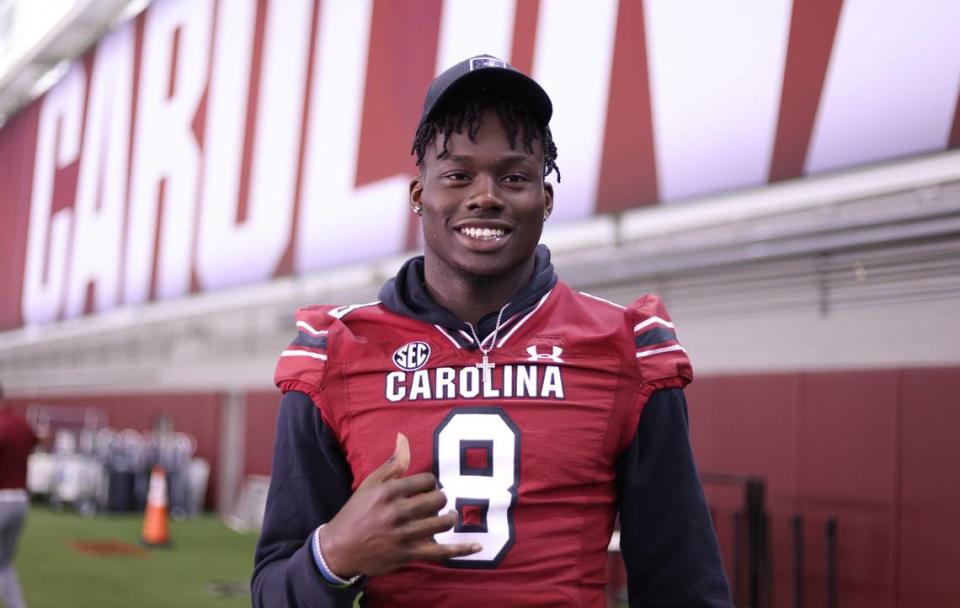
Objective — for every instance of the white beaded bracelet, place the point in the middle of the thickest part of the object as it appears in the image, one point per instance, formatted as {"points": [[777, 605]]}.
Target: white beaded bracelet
{"points": [[325, 569]]}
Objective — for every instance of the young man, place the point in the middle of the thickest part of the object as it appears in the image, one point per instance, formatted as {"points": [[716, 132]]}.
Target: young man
{"points": [[468, 439]]}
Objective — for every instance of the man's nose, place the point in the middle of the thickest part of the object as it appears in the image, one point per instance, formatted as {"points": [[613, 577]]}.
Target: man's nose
{"points": [[484, 195]]}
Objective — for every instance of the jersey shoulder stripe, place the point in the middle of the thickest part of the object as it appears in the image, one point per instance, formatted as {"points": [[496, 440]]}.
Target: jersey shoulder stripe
{"points": [[342, 311], [657, 335], [301, 366], [309, 339], [661, 359], [599, 299]]}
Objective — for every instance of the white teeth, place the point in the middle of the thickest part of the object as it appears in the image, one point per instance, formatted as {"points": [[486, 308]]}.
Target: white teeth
{"points": [[483, 234]]}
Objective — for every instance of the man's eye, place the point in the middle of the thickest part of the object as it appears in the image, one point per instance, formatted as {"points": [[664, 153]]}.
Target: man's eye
{"points": [[457, 176], [516, 178]]}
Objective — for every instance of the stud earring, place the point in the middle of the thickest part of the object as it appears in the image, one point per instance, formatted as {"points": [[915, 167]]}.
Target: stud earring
{"points": [[418, 210], [546, 216]]}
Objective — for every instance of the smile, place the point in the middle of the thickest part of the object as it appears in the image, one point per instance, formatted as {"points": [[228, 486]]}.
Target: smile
{"points": [[483, 234]]}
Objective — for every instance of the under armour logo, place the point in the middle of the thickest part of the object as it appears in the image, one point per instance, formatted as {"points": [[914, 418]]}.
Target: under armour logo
{"points": [[553, 356]]}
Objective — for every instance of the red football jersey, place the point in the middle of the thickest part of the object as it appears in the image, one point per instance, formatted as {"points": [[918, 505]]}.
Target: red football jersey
{"points": [[525, 450]]}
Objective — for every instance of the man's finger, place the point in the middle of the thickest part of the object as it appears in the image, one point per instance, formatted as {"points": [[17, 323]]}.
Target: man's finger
{"points": [[412, 485], [424, 529], [419, 506], [395, 466], [435, 552]]}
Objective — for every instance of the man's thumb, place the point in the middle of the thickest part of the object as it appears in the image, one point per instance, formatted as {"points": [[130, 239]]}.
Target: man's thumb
{"points": [[393, 467], [399, 461]]}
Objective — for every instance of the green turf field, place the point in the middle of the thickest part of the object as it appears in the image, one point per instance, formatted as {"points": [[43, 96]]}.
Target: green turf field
{"points": [[207, 565]]}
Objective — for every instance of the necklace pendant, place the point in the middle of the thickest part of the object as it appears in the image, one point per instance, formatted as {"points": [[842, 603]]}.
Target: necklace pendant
{"points": [[487, 368]]}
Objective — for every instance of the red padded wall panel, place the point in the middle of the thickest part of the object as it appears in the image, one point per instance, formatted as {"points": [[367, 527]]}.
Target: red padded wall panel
{"points": [[849, 469], [702, 398], [930, 503], [749, 425], [757, 433], [703, 407], [261, 424]]}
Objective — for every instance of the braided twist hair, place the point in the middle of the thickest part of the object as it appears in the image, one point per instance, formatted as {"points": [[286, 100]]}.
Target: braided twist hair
{"points": [[461, 113]]}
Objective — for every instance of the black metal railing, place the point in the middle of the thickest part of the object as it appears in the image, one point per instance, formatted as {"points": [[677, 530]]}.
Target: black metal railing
{"points": [[751, 570]]}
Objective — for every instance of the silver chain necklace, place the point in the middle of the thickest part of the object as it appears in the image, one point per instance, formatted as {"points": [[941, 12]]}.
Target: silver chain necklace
{"points": [[485, 365]]}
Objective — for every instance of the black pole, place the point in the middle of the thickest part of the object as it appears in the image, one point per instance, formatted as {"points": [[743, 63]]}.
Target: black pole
{"points": [[737, 565], [798, 561], [767, 561], [831, 562], [755, 491]]}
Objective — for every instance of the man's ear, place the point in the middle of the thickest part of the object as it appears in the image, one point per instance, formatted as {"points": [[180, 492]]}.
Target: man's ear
{"points": [[416, 193], [547, 198]]}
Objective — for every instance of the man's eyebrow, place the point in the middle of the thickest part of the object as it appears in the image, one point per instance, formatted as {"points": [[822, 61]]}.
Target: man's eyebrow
{"points": [[458, 157], [516, 156], [506, 158]]}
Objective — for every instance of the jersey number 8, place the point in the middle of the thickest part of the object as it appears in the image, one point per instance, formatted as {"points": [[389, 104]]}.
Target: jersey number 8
{"points": [[476, 459]]}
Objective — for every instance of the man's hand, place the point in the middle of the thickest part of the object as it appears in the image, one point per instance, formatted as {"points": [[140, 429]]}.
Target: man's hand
{"points": [[390, 521]]}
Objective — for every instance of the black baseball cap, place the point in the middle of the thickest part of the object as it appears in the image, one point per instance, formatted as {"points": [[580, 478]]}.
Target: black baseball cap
{"points": [[486, 73]]}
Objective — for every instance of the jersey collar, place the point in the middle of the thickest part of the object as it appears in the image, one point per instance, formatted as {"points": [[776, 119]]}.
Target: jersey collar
{"points": [[406, 295]]}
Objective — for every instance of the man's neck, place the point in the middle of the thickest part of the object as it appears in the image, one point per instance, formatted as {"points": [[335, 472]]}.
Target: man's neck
{"points": [[470, 297]]}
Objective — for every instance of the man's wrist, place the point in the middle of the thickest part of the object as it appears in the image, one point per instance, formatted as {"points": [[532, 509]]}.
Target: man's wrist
{"points": [[328, 573]]}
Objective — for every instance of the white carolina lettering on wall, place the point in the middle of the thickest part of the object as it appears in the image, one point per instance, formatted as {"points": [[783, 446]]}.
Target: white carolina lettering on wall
{"points": [[220, 160]]}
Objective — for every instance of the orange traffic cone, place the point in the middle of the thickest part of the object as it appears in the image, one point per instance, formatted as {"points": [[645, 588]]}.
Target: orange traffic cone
{"points": [[155, 529]]}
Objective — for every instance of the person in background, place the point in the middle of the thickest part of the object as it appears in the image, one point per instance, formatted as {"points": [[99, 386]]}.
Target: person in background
{"points": [[17, 440]]}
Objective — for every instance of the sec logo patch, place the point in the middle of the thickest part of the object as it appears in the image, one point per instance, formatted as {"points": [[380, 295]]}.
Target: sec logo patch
{"points": [[412, 356]]}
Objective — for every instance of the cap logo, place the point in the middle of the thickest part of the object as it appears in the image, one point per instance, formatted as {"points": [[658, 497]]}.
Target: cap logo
{"points": [[412, 356], [477, 63]]}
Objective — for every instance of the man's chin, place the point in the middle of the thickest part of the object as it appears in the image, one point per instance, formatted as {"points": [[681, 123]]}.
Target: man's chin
{"points": [[491, 268]]}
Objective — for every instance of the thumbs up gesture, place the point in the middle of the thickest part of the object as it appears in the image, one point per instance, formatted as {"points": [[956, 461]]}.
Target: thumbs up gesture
{"points": [[390, 521]]}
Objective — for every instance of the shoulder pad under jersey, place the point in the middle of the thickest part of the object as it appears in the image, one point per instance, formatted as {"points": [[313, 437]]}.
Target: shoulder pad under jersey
{"points": [[303, 363], [662, 361]]}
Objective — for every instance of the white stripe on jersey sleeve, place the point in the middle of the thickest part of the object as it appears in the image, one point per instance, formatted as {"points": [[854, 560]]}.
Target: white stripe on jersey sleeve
{"points": [[342, 311], [309, 328], [651, 321], [599, 299], [657, 351], [303, 353]]}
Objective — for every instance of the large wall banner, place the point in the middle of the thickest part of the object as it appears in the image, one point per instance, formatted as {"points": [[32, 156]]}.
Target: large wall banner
{"points": [[213, 143]]}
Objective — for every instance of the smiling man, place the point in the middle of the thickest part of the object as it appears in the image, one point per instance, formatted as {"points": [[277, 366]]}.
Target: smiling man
{"points": [[469, 438]]}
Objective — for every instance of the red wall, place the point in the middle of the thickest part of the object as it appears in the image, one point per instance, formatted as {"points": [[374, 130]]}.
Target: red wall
{"points": [[876, 449], [261, 423], [929, 551], [748, 425]]}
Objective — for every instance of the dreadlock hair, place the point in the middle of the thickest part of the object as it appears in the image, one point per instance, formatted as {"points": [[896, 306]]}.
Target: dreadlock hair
{"points": [[461, 113]]}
